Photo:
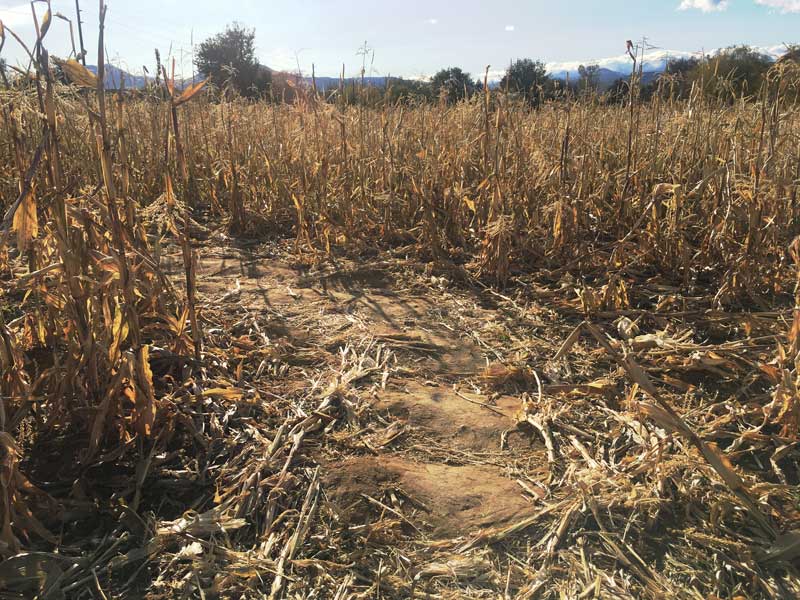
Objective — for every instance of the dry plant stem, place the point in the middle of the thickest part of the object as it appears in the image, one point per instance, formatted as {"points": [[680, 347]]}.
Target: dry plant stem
{"points": [[340, 253], [104, 151], [188, 253]]}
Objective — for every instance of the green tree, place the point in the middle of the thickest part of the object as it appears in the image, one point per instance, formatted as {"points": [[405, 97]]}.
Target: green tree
{"points": [[681, 66], [230, 56], [453, 83], [792, 55], [785, 74], [589, 78], [529, 78], [676, 81], [734, 72], [407, 91], [619, 92]]}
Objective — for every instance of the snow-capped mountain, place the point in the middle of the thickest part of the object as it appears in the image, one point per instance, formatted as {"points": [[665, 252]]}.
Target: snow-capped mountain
{"points": [[654, 61]]}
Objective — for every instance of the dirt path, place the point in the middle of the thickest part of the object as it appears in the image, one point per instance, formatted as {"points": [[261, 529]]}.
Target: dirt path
{"points": [[434, 456], [463, 443]]}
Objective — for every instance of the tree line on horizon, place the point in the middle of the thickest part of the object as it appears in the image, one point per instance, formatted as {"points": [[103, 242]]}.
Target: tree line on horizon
{"points": [[228, 59]]}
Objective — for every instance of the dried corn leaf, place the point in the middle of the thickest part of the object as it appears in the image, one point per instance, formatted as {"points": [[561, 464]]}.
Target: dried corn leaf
{"points": [[78, 74], [26, 222], [46, 20], [190, 92], [145, 395]]}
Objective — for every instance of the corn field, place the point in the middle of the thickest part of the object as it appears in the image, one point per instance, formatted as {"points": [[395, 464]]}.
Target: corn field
{"points": [[629, 274]]}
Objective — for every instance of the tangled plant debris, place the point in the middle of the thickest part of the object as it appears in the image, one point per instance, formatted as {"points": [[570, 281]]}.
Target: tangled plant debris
{"points": [[479, 350]]}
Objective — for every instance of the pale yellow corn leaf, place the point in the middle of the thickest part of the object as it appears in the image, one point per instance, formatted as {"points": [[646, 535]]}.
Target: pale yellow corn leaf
{"points": [[26, 222], [145, 396], [78, 74], [48, 17], [190, 92]]}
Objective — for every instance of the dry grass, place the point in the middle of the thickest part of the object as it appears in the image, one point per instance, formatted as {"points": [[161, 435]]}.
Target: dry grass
{"points": [[164, 444]]}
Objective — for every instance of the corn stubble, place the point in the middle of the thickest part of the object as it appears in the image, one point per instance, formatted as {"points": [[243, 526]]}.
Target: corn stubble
{"points": [[103, 355]]}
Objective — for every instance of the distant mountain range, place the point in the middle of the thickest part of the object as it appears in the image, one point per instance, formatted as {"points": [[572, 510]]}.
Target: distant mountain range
{"points": [[653, 63], [609, 70], [330, 83], [605, 78], [115, 78]]}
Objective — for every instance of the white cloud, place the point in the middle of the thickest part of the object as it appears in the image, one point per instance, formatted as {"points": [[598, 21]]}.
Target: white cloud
{"points": [[786, 6], [704, 5], [432, 21], [15, 15], [510, 28]]}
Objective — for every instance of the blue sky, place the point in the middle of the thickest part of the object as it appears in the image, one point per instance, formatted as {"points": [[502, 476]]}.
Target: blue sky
{"points": [[415, 37]]}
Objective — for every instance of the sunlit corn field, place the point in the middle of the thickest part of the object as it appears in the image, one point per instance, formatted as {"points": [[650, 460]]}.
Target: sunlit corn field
{"points": [[159, 440]]}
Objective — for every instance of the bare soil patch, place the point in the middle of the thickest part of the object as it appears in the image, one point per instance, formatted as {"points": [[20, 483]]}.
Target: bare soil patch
{"points": [[442, 501]]}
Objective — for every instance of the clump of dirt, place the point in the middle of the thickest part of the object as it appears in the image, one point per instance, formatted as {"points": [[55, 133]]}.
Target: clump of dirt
{"points": [[444, 501], [347, 482], [461, 419]]}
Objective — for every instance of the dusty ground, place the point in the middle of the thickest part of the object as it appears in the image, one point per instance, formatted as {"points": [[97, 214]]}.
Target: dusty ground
{"points": [[453, 453], [449, 440]]}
